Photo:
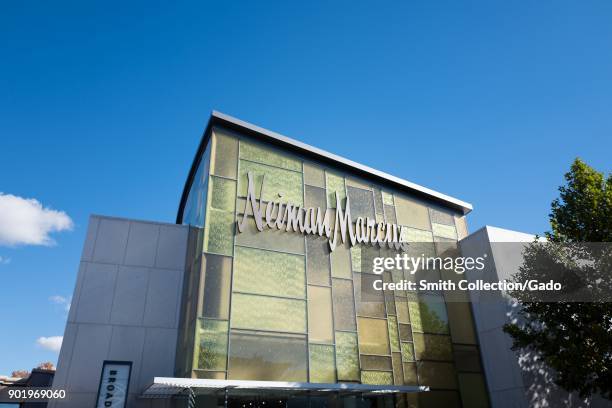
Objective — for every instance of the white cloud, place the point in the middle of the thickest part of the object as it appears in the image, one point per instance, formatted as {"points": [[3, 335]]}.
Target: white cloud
{"points": [[4, 260], [60, 300], [53, 343], [24, 221]]}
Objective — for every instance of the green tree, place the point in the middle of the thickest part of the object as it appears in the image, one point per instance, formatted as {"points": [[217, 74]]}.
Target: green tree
{"points": [[572, 338]]}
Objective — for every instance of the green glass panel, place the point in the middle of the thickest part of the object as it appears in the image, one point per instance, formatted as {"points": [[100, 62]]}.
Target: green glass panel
{"points": [[209, 375], [212, 350], [437, 375], [440, 217], [217, 283], [356, 258], [269, 238], [344, 304], [444, 231], [257, 153], [370, 302], [410, 374], [405, 332], [401, 305], [315, 197], [335, 185], [375, 363], [314, 175], [267, 357], [268, 313], [219, 234], [362, 202], [225, 157], [269, 273], [415, 235], [412, 213], [393, 333], [378, 201], [473, 390], [222, 194], [347, 357], [317, 260], [432, 347], [428, 315], [320, 323], [390, 215], [377, 377], [277, 181], [341, 262], [373, 336], [387, 198], [322, 367], [407, 352], [398, 377]]}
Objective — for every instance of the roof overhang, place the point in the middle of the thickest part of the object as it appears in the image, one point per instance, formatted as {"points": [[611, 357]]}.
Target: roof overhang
{"points": [[168, 387], [223, 120]]}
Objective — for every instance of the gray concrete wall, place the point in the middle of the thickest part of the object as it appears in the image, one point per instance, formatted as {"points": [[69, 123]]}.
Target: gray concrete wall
{"points": [[125, 307]]}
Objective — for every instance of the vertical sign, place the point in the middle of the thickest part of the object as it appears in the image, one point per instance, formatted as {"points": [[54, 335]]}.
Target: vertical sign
{"points": [[114, 384]]}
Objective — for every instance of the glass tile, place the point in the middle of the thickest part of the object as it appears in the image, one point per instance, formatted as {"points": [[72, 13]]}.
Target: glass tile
{"points": [[269, 273], [224, 160], [259, 153], [370, 302], [314, 175], [335, 185], [410, 374], [378, 201], [390, 214], [362, 202], [222, 194], [467, 358], [344, 304], [217, 283], [375, 363], [341, 262], [473, 390], [412, 213], [356, 258], [407, 352], [315, 197], [269, 238], [212, 348], [461, 227], [415, 235], [393, 333], [437, 375], [267, 357], [219, 234], [347, 358], [401, 305], [322, 364], [405, 332], [429, 314], [398, 377], [320, 323], [373, 336], [444, 231], [317, 260], [432, 347], [390, 302], [362, 184], [209, 375], [277, 181], [387, 198], [441, 217], [377, 377], [268, 313]]}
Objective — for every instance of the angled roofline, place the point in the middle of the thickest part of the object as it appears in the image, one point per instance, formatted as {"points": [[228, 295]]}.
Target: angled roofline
{"points": [[230, 122]]}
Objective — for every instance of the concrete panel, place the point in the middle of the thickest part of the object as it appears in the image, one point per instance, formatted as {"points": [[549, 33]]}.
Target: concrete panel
{"points": [[142, 244], [172, 247], [90, 239], [96, 297], [65, 356], [130, 295], [158, 355], [111, 240], [90, 351], [77, 291], [162, 298], [127, 344]]}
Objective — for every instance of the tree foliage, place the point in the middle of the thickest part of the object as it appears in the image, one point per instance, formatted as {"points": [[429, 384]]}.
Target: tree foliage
{"points": [[573, 338]]}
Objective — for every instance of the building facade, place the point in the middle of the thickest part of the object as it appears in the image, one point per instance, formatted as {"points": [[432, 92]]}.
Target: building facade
{"points": [[263, 301]]}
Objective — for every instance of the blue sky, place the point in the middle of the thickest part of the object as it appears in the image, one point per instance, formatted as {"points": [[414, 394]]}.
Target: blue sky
{"points": [[102, 105]]}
